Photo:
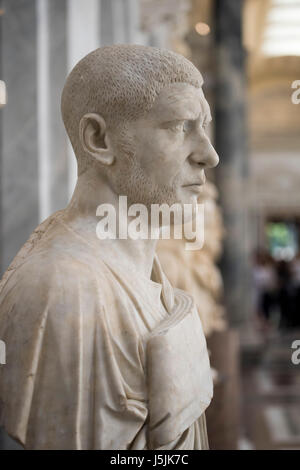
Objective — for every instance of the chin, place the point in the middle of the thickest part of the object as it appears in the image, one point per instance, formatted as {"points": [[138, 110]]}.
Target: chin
{"points": [[186, 198]]}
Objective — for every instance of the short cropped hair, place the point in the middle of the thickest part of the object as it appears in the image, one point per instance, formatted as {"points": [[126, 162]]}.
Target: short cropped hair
{"points": [[121, 83]]}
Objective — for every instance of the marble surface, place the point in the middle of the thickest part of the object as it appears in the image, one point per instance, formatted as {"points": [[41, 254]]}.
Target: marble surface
{"points": [[20, 120], [57, 15], [100, 312], [19, 126]]}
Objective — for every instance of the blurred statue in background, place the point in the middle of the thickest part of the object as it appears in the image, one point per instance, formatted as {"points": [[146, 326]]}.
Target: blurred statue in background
{"points": [[195, 271], [102, 352]]}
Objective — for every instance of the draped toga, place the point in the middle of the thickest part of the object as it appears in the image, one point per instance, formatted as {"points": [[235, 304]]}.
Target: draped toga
{"points": [[96, 357]]}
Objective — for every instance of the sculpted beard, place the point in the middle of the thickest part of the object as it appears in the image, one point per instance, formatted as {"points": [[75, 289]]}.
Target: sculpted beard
{"points": [[131, 179]]}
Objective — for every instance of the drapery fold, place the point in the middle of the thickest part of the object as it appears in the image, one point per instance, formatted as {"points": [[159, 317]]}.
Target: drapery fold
{"points": [[92, 352]]}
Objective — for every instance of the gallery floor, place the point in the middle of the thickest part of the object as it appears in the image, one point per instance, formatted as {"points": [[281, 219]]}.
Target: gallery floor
{"points": [[271, 395]]}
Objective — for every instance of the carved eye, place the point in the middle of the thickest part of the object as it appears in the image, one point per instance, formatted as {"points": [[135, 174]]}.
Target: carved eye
{"points": [[177, 127], [205, 124], [182, 126], [185, 126]]}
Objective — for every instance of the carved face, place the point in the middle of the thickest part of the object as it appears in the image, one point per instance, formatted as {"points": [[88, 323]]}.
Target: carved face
{"points": [[162, 155]]}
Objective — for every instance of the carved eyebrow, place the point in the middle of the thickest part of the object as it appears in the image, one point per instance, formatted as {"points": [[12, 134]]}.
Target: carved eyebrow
{"points": [[207, 118], [184, 112], [205, 109], [183, 115], [169, 123], [172, 122], [180, 118], [179, 107]]}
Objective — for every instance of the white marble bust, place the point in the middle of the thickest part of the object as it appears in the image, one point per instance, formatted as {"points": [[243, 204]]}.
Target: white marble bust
{"points": [[102, 353]]}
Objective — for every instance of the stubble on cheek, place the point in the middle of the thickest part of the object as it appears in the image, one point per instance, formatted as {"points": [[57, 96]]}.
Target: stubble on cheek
{"points": [[141, 182], [141, 187]]}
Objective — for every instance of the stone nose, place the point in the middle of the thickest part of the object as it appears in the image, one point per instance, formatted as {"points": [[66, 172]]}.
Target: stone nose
{"points": [[204, 153]]}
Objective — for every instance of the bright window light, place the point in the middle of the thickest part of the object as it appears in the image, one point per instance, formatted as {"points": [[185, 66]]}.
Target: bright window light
{"points": [[285, 3], [284, 14], [279, 48], [282, 32]]}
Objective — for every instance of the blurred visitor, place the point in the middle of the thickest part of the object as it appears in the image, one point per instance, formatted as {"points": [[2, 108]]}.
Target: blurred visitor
{"points": [[295, 271], [265, 285], [285, 293]]}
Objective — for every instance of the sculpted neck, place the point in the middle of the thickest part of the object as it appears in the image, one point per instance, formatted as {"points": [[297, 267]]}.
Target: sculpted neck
{"points": [[92, 190]]}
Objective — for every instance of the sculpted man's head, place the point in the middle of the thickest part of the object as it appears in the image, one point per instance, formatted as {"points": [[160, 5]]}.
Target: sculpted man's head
{"points": [[137, 116]]}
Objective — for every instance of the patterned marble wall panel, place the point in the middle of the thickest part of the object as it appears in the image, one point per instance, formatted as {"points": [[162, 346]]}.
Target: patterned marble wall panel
{"points": [[20, 203]]}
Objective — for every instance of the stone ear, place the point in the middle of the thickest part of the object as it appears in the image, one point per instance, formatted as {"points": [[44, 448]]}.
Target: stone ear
{"points": [[93, 138]]}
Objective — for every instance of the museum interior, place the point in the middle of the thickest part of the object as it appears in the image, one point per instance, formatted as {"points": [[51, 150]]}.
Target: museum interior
{"points": [[246, 278]]}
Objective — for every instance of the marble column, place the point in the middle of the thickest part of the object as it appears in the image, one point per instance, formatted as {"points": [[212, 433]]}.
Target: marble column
{"points": [[120, 22], [34, 144], [83, 36], [9, 142], [230, 141], [106, 23], [20, 190], [5, 441], [1, 111], [51, 71]]}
